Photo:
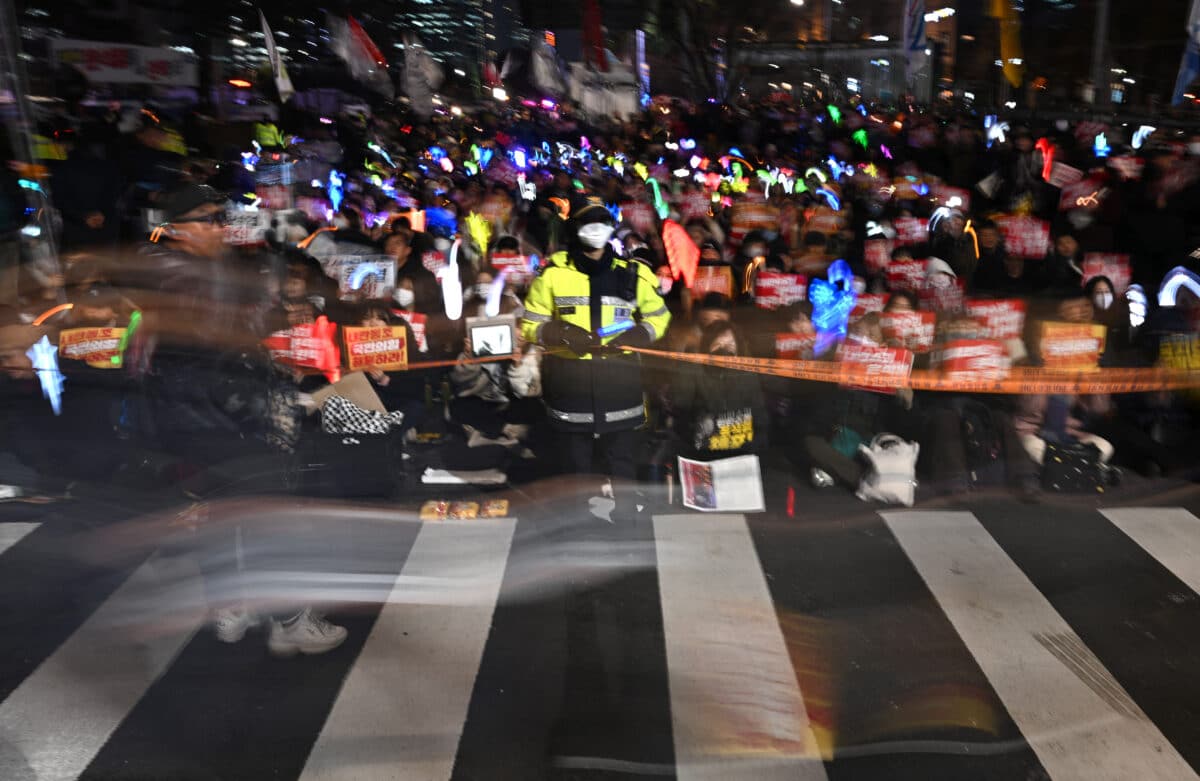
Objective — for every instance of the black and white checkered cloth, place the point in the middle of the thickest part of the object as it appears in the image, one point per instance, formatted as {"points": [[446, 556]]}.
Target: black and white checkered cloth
{"points": [[341, 416]]}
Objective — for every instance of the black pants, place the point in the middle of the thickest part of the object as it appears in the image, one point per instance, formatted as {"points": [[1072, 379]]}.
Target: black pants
{"points": [[618, 449]]}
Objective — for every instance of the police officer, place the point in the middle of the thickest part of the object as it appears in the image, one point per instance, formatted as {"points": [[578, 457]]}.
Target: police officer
{"points": [[584, 306]]}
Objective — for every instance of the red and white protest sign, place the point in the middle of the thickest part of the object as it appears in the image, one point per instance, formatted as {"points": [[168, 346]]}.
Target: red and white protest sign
{"points": [[1108, 264], [308, 346], [694, 205], [639, 216], [910, 330], [773, 289], [945, 298], [1000, 319], [867, 303], [794, 346], [911, 230], [1072, 346], [825, 220], [274, 196], [1127, 167], [1026, 237], [94, 346], [906, 275], [246, 228], [712, 279], [945, 195], [384, 348], [890, 363], [972, 360], [1062, 174], [516, 267], [417, 322], [433, 261], [877, 253]]}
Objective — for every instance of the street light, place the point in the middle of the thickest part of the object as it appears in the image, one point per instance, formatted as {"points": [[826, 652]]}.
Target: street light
{"points": [[797, 2]]}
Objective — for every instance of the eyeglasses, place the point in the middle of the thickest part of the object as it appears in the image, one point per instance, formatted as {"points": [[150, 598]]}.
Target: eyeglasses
{"points": [[218, 219]]}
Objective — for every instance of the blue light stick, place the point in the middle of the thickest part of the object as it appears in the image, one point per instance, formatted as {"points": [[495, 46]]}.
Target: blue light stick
{"points": [[44, 357]]}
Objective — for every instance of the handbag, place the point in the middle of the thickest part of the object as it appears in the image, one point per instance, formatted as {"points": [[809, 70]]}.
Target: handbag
{"points": [[891, 475], [1073, 467]]}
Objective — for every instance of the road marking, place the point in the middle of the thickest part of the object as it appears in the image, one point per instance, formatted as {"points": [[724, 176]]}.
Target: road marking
{"points": [[57, 720], [402, 707], [1075, 716], [1169, 534], [736, 708], [12, 533]]}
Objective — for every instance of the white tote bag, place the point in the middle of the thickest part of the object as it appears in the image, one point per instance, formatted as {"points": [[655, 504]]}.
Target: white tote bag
{"points": [[892, 473]]}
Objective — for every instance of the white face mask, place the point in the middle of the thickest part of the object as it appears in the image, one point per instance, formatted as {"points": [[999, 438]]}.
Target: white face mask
{"points": [[1194, 148], [664, 284], [1102, 300], [482, 289], [595, 235], [403, 296]]}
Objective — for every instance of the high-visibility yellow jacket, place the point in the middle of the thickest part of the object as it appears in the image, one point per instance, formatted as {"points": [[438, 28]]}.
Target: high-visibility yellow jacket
{"points": [[595, 391]]}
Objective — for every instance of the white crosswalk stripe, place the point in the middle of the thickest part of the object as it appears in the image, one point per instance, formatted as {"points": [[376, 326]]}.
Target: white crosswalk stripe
{"points": [[727, 662], [403, 706], [1076, 717], [12, 533], [1169, 534]]}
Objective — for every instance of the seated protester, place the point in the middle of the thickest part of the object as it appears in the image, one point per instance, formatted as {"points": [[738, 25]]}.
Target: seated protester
{"points": [[719, 412], [902, 301], [797, 320], [991, 271], [713, 307], [1058, 419], [475, 297], [399, 246], [418, 302], [497, 402], [950, 241], [298, 304], [402, 391], [1112, 311]]}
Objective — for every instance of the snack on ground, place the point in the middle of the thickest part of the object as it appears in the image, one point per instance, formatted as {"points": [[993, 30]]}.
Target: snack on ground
{"points": [[494, 508], [464, 511], [435, 510]]}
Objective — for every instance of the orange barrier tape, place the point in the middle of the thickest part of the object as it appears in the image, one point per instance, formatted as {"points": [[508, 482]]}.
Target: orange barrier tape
{"points": [[1020, 380]]}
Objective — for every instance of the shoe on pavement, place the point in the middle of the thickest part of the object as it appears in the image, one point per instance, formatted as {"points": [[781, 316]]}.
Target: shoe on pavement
{"points": [[232, 623], [307, 633]]}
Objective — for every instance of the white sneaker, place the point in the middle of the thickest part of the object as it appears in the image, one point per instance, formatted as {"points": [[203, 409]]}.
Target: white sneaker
{"points": [[307, 633], [232, 623]]}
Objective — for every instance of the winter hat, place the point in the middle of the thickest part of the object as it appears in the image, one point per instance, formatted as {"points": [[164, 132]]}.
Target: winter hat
{"points": [[938, 266]]}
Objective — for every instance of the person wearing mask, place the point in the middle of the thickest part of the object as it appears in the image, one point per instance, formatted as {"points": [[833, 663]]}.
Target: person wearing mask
{"points": [[584, 306], [719, 412], [950, 240]]}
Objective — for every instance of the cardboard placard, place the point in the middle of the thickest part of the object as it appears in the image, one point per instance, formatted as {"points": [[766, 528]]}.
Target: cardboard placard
{"points": [[877, 254], [1072, 346], [893, 363], [1062, 174], [384, 348], [866, 303], [794, 346], [727, 485], [906, 275], [94, 346], [308, 346], [1000, 319], [1113, 265], [712, 279], [355, 388], [911, 330], [774, 289], [417, 322], [970, 360], [911, 230], [367, 276], [1026, 237]]}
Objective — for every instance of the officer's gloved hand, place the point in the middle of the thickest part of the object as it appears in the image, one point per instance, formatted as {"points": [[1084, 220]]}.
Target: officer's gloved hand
{"points": [[560, 334], [634, 337]]}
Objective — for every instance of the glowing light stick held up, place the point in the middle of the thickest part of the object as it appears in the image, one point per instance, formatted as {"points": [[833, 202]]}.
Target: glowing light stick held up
{"points": [[44, 357], [452, 294], [135, 320]]}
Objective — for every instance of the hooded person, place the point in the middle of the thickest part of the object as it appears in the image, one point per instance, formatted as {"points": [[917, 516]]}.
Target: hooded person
{"points": [[584, 307]]}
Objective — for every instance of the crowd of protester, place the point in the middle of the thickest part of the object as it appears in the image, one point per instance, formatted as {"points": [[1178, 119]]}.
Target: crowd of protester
{"points": [[142, 224]]}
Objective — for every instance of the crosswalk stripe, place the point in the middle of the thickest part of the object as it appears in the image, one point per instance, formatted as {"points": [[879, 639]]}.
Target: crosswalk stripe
{"points": [[60, 716], [1169, 534], [1075, 716], [12, 533], [401, 709], [731, 680]]}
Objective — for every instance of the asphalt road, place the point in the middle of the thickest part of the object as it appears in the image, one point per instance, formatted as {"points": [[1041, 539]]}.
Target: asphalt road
{"points": [[978, 637]]}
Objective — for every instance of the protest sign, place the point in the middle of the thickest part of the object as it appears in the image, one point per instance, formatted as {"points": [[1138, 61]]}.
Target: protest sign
{"points": [[972, 360], [94, 346], [1072, 346], [773, 289], [911, 330], [383, 348], [1108, 264], [712, 279], [795, 346], [726, 485], [1000, 319]]}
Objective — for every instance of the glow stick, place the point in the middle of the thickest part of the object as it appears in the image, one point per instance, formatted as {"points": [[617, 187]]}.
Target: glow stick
{"points": [[44, 357], [452, 294], [495, 293]]}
